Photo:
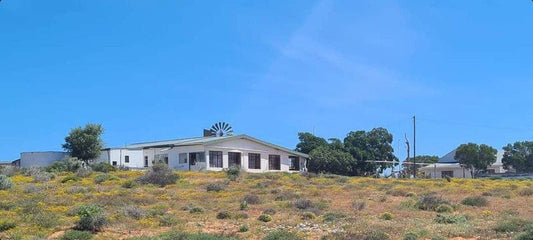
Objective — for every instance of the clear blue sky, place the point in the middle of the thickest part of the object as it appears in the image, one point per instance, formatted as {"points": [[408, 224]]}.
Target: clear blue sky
{"points": [[154, 70]]}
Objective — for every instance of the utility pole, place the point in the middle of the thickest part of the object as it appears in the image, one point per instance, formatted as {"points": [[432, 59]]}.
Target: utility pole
{"points": [[414, 146]]}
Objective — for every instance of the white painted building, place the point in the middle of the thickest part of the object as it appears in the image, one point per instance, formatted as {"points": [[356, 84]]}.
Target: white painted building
{"points": [[194, 154], [448, 166]]}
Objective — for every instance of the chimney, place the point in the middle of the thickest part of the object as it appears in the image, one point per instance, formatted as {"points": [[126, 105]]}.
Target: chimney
{"points": [[207, 133]]}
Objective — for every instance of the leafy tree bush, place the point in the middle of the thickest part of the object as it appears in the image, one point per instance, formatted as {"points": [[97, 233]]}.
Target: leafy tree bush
{"points": [[281, 235], [76, 235], [444, 208], [5, 183], [6, 225], [71, 177], [85, 143], [386, 216], [265, 218], [430, 202], [66, 165], [224, 215], [92, 218], [519, 156], [252, 199], [103, 167], [233, 173], [159, 174], [104, 177], [476, 201], [475, 157], [214, 187], [303, 204]]}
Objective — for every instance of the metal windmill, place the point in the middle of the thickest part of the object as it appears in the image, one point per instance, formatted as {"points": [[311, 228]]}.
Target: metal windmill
{"points": [[221, 129]]}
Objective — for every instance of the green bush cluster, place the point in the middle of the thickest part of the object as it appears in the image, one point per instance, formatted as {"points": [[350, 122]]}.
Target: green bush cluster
{"points": [[475, 201], [386, 216], [6, 225], [265, 218], [92, 218], [224, 215], [450, 219], [444, 208], [104, 178], [76, 235], [159, 174], [233, 173], [5, 183], [214, 187], [103, 167], [430, 202]]}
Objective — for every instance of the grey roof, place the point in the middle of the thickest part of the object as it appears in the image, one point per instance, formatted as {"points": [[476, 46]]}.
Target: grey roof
{"points": [[450, 158], [209, 141]]}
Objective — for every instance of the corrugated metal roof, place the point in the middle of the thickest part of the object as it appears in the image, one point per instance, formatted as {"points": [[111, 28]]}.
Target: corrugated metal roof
{"points": [[208, 141], [450, 157]]}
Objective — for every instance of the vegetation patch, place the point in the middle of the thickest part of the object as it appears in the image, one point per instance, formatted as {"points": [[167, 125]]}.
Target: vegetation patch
{"points": [[252, 199], [5, 183], [476, 201], [430, 202], [512, 225], [281, 235], [450, 219], [159, 174], [265, 218], [214, 187], [76, 235], [91, 218]]}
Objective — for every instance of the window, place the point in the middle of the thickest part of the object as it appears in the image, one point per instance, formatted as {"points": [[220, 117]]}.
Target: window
{"points": [[215, 159], [491, 171], [294, 163], [127, 159], [114, 163], [145, 161], [254, 161], [234, 159], [274, 162], [183, 158], [446, 173], [196, 157], [161, 158]]}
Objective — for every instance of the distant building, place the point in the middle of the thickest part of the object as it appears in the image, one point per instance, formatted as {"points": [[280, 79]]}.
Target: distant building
{"points": [[448, 166], [193, 154]]}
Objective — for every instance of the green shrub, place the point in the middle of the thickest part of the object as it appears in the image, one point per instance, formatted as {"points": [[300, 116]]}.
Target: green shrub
{"points": [[76, 235], [241, 215], [103, 167], [303, 203], [168, 221], [5, 183], [196, 210], [450, 219], [476, 201], [252, 199], [284, 196], [69, 178], [233, 173], [512, 225], [308, 216], [133, 212], [527, 235], [224, 215], [65, 165], [333, 216], [84, 172], [265, 218], [159, 174], [214, 187], [244, 205], [104, 178], [281, 235], [6, 225], [159, 209], [444, 208], [430, 202], [129, 184], [92, 218], [244, 228], [410, 236], [386, 216]]}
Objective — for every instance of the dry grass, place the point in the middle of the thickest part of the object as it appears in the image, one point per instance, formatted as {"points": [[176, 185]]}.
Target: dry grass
{"points": [[342, 207]]}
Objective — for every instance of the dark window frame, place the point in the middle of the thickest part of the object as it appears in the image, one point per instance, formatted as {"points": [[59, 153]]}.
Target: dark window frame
{"points": [[216, 159], [127, 159], [294, 163], [274, 162], [234, 159], [254, 161], [446, 173], [145, 161]]}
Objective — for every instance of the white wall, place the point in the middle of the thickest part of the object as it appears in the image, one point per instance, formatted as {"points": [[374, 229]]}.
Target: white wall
{"points": [[40, 159], [118, 156]]}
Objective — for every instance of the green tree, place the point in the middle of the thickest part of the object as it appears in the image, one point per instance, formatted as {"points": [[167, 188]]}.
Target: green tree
{"points": [[518, 156], [475, 157], [308, 142], [424, 159], [85, 143], [327, 159], [375, 145]]}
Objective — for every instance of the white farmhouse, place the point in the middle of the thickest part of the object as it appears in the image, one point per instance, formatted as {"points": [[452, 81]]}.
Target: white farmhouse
{"points": [[448, 166], [193, 154]]}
